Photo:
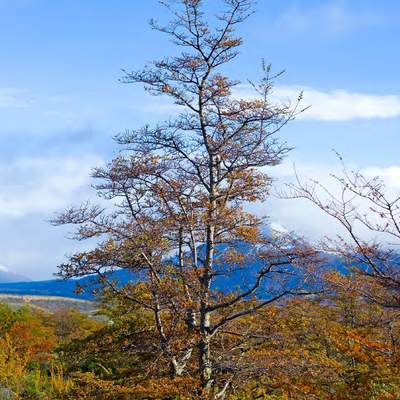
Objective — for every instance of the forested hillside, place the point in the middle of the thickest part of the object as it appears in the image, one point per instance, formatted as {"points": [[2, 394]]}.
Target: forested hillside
{"points": [[336, 346]]}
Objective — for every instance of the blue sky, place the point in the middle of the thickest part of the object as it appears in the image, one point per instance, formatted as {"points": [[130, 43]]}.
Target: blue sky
{"points": [[61, 102]]}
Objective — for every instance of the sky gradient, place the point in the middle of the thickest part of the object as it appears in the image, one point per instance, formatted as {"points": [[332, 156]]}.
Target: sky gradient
{"points": [[61, 102]]}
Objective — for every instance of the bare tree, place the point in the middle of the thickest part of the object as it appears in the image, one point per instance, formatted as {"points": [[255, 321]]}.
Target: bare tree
{"points": [[370, 216], [179, 189]]}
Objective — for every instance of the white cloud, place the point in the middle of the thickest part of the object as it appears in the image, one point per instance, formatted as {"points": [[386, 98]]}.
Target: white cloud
{"points": [[275, 226], [336, 105], [390, 175], [43, 114], [38, 185], [340, 105], [14, 98], [329, 17], [307, 219]]}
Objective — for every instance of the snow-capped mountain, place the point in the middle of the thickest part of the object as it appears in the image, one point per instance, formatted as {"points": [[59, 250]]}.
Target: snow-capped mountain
{"points": [[8, 276]]}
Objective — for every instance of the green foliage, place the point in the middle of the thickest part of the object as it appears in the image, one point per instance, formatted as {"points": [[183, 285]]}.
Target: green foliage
{"points": [[9, 316]]}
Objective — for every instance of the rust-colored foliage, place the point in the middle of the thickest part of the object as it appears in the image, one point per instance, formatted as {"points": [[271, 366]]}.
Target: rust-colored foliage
{"points": [[176, 219], [177, 192]]}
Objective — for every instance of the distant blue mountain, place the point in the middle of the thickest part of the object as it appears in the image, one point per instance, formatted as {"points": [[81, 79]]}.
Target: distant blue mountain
{"points": [[54, 287], [60, 287], [240, 278]]}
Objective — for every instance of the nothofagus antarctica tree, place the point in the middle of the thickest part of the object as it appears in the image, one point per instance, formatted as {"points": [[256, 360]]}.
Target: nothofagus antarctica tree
{"points": [[178, 192]]}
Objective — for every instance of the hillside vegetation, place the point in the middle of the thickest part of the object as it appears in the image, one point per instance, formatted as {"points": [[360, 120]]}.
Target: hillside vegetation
{"points": [[332, 347], [48, 303]]}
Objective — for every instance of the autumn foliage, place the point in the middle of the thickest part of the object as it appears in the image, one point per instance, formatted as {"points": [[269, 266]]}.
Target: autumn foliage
{"points": [[333, 346], [219, 306]]}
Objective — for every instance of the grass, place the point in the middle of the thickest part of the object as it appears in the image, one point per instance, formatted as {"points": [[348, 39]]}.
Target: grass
{"points": [[48, 303]]}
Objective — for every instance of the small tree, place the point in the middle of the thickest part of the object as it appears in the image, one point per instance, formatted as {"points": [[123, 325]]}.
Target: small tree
{"points": [[179, 189], [362, 206]]}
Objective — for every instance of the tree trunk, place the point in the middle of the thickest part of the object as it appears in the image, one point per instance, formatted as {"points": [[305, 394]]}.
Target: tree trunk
{"points": [[178, 366], [205, 363], [205, 354]]}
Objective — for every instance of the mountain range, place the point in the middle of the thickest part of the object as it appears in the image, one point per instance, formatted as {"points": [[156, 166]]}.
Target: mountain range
{"points": [[58, 287], [12, 284]]}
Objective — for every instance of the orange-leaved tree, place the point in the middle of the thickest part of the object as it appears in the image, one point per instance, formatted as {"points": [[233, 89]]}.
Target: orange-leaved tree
{"points": [[178, 191]]}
